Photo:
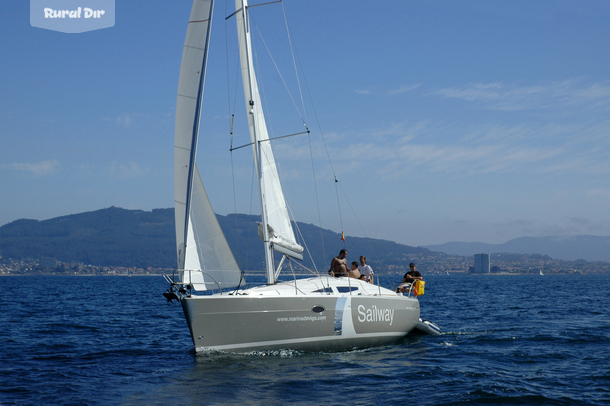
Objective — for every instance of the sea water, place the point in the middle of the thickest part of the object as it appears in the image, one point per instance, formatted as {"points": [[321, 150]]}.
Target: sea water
{"points": [[520, 340]]}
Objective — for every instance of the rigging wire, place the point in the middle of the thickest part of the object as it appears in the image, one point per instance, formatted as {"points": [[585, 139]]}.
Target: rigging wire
{"points": [[317, 119], [296, 72], [294, 51], [301, 114], [278, 70]]}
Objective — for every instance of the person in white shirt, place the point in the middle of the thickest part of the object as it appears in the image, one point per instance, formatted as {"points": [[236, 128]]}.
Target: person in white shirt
{"points": [[366, 272]]}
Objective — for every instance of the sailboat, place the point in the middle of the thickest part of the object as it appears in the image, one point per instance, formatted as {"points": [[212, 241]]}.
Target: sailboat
{"points": [[320, 313]]}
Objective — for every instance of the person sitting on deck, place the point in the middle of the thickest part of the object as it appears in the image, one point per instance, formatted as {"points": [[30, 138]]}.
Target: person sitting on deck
{"points": [[354, 273], [411, 276], [366, 272], [338, 266]]}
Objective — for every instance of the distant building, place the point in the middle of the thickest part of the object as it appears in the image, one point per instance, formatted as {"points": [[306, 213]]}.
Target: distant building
{"points": [[481, 263]]}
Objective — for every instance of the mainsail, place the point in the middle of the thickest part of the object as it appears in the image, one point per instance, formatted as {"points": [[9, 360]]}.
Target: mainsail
{"points": [[278, 233], [204, 256]]}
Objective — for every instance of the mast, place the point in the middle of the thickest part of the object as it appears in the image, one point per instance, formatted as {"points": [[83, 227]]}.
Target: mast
{"points": [[255, 118]]}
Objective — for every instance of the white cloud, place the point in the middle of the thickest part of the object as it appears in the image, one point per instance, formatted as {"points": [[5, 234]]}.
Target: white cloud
{"points": [[571, 93], [403, 89], [528, 149], [39, 168], [129, 170], [401, 148]]}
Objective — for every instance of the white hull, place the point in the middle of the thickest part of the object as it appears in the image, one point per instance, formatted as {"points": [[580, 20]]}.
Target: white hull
{"points": [[320, 314]]}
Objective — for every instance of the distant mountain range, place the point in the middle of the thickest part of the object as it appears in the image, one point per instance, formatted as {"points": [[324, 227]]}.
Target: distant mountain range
{"points": [[136, 238], [588, 247]]}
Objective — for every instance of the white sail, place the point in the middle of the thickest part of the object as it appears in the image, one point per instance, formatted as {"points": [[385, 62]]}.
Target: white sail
{"points": [[275, 213], [204, 255]]}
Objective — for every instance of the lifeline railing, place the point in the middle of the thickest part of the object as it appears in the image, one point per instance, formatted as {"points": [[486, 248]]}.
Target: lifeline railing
{"points": [[172, 280], [411, 291]]}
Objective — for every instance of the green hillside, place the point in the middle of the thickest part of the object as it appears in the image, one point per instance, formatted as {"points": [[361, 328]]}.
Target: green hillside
{"points": [[136, 238]]}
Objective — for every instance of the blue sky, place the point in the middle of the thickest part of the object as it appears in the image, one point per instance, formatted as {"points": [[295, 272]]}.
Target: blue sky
{"points": [[445, 121]]}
